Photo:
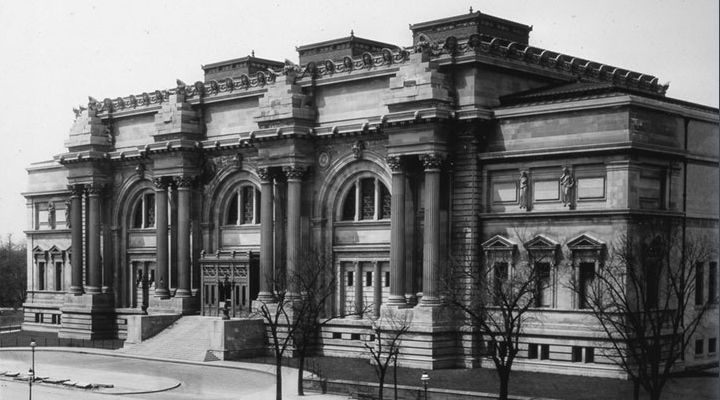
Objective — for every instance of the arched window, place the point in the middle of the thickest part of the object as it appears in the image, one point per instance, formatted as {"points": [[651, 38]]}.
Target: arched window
{"points": [[244, 206], [367, 199], [144, 212]]}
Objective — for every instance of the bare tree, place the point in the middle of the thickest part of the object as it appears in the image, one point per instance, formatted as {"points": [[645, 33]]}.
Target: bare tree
{"points": [[644, 299], [13, 272], [496, 301], [387, 332]]}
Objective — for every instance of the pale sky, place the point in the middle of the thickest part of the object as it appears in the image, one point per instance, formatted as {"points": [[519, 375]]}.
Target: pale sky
{"points": [[56, 53]]}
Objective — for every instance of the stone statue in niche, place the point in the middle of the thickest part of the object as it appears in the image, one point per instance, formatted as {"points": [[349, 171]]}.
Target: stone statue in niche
{"points": [[51, 215], [524, 184], [567, 183], [67, 213]]}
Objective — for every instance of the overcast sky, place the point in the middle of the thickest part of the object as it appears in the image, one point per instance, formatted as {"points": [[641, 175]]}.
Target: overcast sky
{"points": [[56, 53]]}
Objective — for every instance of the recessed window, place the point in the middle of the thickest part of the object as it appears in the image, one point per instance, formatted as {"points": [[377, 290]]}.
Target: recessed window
{"points": [[587, 276], [545, 352], [387, 279], [58, 276], [144, 212], [337, 335], [589, 354], [532, 350], [712, 282], [699, 283], [577, 354], [543, 288], [354, 336], [499, 281], [712, 345], [698, 347], [350, 278], [367, 199], [244, 206], [41, 276], [368, 278]]}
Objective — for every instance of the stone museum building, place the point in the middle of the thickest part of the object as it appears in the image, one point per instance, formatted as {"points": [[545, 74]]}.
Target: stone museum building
{"points": [[471, 144]]}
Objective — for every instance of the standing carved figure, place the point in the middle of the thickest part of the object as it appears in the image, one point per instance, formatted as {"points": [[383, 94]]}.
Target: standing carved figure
{"points": [[51, 215], [567, 183], [68, 204], [524, 183]]}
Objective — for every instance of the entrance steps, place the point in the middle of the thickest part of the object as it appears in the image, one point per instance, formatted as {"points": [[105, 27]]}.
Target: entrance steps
{"points": [[188, 339]]}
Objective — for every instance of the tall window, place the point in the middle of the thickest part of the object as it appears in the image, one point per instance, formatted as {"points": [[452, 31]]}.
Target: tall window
{"points": [[500, 277], [712, 282], [587, 276], [244, 207], [58, 276], [144, 212], [367, 199], [543, 287], [699, 283], [41, 276]]}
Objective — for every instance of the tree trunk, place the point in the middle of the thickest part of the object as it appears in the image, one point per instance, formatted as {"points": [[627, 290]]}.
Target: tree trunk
{"points": [[301, 369], [381, 387], [395, 397], [636, 390], [504, 375], [278, 377]]}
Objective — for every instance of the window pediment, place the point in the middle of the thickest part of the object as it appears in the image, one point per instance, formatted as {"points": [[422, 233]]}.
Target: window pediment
{"points": [[541, 242], [499, 243], [585, 243]]}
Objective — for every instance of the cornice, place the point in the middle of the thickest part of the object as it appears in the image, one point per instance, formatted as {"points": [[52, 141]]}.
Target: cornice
{"points": [[582, 214]]}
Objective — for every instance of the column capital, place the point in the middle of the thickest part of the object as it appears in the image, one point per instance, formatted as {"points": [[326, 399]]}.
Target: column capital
{"points": [[161, 183], [76, 190], [294, 172], [432, 160], [394, 162], [95, 189], [264, 174], [184, 181]]}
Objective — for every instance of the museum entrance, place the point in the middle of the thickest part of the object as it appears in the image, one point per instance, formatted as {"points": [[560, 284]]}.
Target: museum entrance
{"points": [[229, 280]]}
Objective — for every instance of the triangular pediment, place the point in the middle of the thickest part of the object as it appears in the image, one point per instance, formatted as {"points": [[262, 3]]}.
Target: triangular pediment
{"points": [[54, 250], [498, 242], [38, 250], [541, 242], [585, 242]]}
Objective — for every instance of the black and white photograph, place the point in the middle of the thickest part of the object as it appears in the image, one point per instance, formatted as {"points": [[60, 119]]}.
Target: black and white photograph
{"points": [[376, 200]]}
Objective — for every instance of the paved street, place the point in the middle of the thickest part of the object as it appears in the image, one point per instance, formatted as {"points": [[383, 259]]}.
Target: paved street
{"points": [[130, 375]]}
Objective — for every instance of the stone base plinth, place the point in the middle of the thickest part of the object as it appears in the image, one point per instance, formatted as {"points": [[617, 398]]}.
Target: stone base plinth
{"points": [[173, 305], [88, 316], [238, 338], [142, 327]]}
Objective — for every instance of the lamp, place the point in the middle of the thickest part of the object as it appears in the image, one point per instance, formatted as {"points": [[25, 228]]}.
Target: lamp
{"points": [[425, 378], [31, 372]]}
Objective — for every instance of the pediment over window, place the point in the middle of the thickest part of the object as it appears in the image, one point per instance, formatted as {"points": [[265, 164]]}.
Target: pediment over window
{"points": [[38, 252], [541, 242], [585, 242], [55, 253], [499, 243]]}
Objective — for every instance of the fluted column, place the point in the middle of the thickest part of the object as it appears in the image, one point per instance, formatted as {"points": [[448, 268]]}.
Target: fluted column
{"points": [[397, 232], [161, 236], [266, 234], [94, 272], [294, 175], [76, 284], [184, 186], [431, 245]]}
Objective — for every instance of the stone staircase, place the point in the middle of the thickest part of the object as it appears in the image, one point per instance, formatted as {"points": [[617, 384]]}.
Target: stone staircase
{"points": [[186, 339]]}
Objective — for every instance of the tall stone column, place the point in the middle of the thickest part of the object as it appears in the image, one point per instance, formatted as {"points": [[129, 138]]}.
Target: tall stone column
{"points": [[431, 244], [377, 288], [161, 236], [266, 235], [184, 187], [397, 233], [76, 283], [294, 175], [94, 271], [358, 282]]}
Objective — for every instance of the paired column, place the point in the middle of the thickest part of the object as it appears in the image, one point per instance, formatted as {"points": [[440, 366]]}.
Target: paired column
{"points": [[397, 232], [184, 188], [161, 235], [94, 271], [266, 235], [431, 246], [76, 283], [294, 175]]}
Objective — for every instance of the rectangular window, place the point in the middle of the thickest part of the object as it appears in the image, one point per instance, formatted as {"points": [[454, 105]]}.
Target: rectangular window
{"points": [[354, 336], [532, 350], [350, 278], [545, 352], [591, 188], [367, 198], [543, 288], [248, 201], [698, 347], [337, 335], [712, 345], [38, 318], [387, 279], [712, 282], [589, 354], [58, 276], [699, 270], [368, 278], [576, 354], [41, 276], [650, 189], [499, 280], [587, 276]]}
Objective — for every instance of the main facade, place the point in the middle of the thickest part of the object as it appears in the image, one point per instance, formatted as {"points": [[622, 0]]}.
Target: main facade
{"points": [[469, 145]]}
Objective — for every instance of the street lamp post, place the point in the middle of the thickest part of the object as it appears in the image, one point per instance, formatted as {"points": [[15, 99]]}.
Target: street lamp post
{"points": [[425, 378], [31, 373]]}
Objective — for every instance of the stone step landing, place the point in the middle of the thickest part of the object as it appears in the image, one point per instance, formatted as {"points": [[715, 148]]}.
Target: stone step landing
{"points": [[186, 339]]}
